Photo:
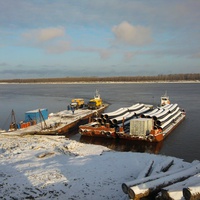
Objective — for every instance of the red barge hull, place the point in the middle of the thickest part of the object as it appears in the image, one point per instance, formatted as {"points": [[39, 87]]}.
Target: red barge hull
{"points": [[156, 137], [150, 129]]}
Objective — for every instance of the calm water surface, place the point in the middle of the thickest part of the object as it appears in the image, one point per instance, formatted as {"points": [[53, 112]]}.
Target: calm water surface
{"points": [[182, 143]]}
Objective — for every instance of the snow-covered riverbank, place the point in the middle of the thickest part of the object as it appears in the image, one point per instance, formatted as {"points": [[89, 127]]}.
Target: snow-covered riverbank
{"points": [[53, 167]]}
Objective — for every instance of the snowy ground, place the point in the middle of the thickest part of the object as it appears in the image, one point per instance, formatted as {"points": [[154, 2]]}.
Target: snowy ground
{"points": [[53, 167]]}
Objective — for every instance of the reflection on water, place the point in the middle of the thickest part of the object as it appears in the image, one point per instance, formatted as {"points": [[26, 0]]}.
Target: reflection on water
{"points": [[123, 145]]}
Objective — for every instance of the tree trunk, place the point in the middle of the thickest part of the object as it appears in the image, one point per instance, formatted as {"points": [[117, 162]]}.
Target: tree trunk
{"points": [[125, 186], [175, 191], [147, 188], [146, 171], [163, 167]]}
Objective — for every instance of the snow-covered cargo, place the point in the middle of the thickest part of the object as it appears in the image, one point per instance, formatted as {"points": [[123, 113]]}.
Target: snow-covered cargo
{"points": [[141, 126]]}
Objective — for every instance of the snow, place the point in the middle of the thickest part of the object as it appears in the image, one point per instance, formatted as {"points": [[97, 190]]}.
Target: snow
{"points": [[54, 167], [62, 118]]}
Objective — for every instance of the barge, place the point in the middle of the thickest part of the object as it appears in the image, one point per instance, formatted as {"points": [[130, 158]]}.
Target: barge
{"points": [[40, 122], [108, 124], [156, 127], [139, 122]]}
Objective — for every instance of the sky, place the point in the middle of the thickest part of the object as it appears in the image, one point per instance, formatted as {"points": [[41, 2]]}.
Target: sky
{"points": [[62, 38]]}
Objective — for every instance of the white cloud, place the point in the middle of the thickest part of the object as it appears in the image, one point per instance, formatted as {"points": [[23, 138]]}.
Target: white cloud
{"points": [[43, 35], [132, 35], [59, 47], [52, 40]]}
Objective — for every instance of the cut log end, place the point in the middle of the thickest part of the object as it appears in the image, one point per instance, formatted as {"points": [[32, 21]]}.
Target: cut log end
{"points": [[125, 188], [131, 193], [192, 193], [187, 194]]}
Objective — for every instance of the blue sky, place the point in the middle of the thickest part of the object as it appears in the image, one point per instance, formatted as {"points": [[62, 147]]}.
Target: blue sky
{"points": [[60, 38]]}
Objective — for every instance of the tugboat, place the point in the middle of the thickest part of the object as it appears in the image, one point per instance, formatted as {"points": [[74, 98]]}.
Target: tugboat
{"points": [[164, 100], [96, 102]]}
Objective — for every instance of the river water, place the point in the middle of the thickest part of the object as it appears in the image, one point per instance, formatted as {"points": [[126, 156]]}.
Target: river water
{"points": [[183, 142]]}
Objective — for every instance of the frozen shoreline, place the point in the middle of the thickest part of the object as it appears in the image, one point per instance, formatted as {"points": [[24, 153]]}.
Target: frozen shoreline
{"points": [[102, 82], [53, 167]]}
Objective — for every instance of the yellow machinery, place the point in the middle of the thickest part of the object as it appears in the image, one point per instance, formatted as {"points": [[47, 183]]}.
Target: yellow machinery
{"points": [[96, 102], [77, 103]]}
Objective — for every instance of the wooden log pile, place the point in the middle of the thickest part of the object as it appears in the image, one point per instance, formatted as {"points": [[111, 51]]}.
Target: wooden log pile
{"points": [[165, 184]]}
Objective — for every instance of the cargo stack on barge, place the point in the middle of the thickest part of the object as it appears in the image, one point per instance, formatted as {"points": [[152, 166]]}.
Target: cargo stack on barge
{"points": [[138, 122], [156, 125], [39, 121], [110, 123]]}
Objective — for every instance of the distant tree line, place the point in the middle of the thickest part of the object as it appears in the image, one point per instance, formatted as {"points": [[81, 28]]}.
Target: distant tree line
{"points": [[158, 78]]}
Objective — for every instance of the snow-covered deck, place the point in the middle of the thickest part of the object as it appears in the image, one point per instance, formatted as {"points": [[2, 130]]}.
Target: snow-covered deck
{"points": [[56, 121]]}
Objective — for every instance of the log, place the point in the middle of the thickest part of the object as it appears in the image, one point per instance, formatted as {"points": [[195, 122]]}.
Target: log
{"points": [[172, 195], [176, 190], [192, 193], [125, 186], [163, 167], [146, 171], [143, 190], [166, 165]]}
